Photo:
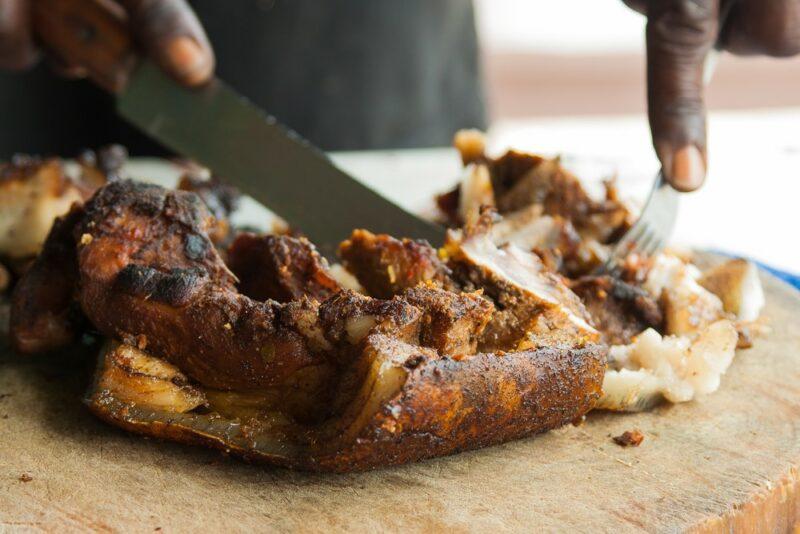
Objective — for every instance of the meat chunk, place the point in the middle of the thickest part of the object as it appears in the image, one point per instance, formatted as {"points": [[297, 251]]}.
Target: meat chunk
{"points": [[221, 199], [452, 323], [33, 193], [519, 180], [386, 266], [534, 306], [619, 310], [348, 317], [403, 404], [146, 250], [736, 283], [522, 179], [339, 385], [45, 315], [101, 166], [629, 438], [281, 268]]}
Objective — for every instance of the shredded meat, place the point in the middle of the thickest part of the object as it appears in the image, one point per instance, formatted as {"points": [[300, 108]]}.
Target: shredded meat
{"points": [[534, 306], [618, 309], [452, 322], [386, 266], [545, 208]]}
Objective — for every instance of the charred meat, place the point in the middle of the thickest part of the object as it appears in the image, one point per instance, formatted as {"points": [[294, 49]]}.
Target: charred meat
{"points": [[254, 345], [308, 374]]}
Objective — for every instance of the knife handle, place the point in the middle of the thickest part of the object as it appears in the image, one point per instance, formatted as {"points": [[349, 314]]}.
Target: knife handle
{"points": [[92, 34]]}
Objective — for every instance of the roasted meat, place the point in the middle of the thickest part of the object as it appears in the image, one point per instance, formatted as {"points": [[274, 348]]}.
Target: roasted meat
{"points": [[146, 250], [534, 306], [221, 199], [282, 364], [386, 266], [619, 310], [254, 345], [452, 323], [46, 315], [545, 208], [669, 329], [35, 191], [280, 268], [101, 166], [404, 404]]}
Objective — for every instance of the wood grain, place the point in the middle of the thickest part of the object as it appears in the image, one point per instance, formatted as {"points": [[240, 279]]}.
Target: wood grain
{"points": [[726, 463]]}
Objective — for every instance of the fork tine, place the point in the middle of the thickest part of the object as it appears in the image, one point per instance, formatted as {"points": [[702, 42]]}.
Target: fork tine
{"points": [[657, 245], [653, 246], [644, 241], [630, 239], [650, 233]]}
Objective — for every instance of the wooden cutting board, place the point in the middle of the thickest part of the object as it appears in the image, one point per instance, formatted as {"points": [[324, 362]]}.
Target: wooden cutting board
{"points": [[727, 462]]}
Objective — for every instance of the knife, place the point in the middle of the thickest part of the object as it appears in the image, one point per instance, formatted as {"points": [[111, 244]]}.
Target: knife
{"points": [[219, 128]]}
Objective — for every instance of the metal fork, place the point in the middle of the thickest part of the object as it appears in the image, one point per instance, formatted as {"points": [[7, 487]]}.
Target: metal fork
{"points": [[649, 234], [651, 231]]}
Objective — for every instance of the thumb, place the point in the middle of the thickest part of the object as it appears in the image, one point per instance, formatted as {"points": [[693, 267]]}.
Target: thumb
{"points": [[680, 33]]}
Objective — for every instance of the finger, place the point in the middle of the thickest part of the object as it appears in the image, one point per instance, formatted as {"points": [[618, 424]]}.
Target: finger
{"points": [[680, 33], [169, 32], [17, 50], [637, 5], [766, 28]]}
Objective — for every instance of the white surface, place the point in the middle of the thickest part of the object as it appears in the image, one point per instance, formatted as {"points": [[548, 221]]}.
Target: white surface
{"points": [[561, 27], [750, 204]]}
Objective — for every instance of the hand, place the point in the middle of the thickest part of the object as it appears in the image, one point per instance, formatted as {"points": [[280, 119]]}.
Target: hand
{"points": [[680, 33], [166, 30]]}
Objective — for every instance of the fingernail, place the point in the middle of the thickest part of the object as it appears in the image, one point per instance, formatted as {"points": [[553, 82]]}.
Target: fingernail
{"points": [[688, 168], [188, 59]]}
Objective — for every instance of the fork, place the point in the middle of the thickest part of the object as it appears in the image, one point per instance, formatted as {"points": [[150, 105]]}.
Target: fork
{"points": [[650, 232]]}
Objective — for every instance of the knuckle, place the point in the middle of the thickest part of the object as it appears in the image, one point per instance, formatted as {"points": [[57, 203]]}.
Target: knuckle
{"points": [[683, 25]]}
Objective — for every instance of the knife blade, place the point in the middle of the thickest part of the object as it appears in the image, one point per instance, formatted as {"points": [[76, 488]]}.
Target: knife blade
{"points": [[220, 129], [253, 151]]}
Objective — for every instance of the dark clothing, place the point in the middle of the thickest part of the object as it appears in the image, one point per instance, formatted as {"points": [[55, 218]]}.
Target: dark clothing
{"points": [[347, 74]]}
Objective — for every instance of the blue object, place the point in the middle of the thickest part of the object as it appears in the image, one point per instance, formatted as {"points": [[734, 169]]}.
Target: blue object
{"points": [[789, 278]]}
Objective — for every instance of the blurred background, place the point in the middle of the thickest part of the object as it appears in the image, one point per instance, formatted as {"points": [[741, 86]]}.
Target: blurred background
{"points": [[568, 78], [586, 57]]}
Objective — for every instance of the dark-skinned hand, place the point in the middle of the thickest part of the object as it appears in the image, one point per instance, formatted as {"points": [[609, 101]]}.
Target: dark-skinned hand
{"points": [[166, 30], [680, 34]]}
